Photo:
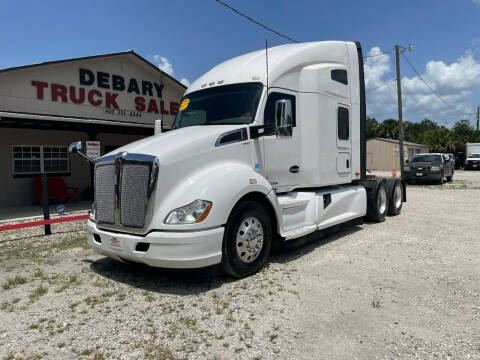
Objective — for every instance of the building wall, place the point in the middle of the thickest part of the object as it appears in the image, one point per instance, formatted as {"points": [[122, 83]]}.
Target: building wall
{"points": [[381, 155], [118, 88], [19, 190]]}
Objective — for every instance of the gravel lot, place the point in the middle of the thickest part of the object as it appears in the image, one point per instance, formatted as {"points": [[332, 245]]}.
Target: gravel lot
{"points": [[404, 289]]}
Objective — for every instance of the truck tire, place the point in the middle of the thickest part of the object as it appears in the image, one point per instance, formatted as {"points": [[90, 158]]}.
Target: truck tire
{"points": [[440, 182], [395, 196], [377, 203], [247, 240]]}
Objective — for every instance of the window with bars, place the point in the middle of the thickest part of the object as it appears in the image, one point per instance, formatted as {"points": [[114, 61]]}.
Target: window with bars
{"points": [[34, 159]]}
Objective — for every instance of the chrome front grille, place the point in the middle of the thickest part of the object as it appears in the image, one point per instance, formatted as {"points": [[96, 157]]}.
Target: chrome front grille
{"points": [[134, 180], [123, 185], [105, 180]]}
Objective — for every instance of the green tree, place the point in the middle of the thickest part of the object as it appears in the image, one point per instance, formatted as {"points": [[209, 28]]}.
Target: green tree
{"points": [[440, 139], [388, 129], [372, 127]]}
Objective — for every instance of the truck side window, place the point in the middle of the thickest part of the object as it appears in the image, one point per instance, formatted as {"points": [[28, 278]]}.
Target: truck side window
{"points": [[343, 123], [269, 114], [339, 75]]}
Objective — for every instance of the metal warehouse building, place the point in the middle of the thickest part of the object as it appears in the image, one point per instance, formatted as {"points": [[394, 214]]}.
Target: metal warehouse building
{"points": [[383, 154], [110, 100]]}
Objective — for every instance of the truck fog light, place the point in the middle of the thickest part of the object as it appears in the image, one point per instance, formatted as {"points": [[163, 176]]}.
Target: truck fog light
{"points": [[195, 212]]}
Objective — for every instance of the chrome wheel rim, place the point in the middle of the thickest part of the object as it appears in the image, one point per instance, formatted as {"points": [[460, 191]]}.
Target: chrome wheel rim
{"points": [[249, 239], [382, 201], [398, 196]]}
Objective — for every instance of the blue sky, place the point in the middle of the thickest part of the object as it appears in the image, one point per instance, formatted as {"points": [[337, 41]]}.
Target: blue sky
{"points": [[187, 38]]}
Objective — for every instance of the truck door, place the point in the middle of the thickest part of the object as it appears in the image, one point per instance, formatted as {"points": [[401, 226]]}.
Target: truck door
{"points": [[344, 160], [282, 146]]}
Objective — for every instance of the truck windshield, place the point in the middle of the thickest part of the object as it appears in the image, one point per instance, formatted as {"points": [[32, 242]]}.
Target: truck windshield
{"points": [[427, 158], [228, 104]]}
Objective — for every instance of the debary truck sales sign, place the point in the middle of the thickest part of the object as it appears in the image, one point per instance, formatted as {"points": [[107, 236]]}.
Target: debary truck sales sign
{"points": [[121, 87]]}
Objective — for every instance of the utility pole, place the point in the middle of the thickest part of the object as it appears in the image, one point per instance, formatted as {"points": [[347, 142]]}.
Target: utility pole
{"points": [[400, 115], [478, 115]]}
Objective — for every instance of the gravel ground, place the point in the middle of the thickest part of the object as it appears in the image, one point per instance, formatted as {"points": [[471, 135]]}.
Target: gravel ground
{"points": [[407, 288]]}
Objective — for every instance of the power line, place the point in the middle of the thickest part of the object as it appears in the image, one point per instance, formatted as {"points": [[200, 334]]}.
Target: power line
{"points": [[379, 86], [256, 22], [380, 58], [416, 102], [433, 91], [384, 53]]}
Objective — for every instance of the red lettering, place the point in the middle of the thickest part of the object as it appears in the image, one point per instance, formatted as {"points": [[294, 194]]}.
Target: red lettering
{"points": [[91, 99], [59, 91], [152, 106], [40, 85], [110, 100], [139, 103], [174, 108], [162, 107], [81, 94]]}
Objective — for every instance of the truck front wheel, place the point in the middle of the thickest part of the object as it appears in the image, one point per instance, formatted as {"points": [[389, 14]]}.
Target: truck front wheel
{"points": [[247, 240]]}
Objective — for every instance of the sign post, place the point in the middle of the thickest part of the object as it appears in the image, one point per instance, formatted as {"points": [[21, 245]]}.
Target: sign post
{"points": [[46, 208], [93, 149]]}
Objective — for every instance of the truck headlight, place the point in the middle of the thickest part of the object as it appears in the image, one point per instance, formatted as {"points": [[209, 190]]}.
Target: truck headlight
{"points": [[406, 168], [435, 168], [91, 213], [195, 212]]}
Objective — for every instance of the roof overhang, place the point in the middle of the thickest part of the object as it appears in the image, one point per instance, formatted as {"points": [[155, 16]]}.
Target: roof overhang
{"points": [[6, 114]]}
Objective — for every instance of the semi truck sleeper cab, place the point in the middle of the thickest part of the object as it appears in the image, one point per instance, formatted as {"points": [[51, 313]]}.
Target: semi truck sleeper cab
{"points": [[247, 163]]}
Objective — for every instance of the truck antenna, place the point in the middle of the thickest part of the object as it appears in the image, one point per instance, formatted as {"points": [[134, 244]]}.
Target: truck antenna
{"points": [[266, 59]]}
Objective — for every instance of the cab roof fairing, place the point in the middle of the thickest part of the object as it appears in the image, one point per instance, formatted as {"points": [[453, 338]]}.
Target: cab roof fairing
{"points": [[284, 65]]}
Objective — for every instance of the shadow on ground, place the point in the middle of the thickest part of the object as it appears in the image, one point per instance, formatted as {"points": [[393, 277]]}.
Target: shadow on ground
{"points": [[195, 281]]}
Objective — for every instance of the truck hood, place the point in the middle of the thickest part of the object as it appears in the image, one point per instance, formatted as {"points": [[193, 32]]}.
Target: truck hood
{"points": [[185, 139]]}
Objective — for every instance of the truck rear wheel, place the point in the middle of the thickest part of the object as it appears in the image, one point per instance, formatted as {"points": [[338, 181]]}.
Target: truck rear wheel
{"points": [[247, 240], [377, 203], [395, 197]]}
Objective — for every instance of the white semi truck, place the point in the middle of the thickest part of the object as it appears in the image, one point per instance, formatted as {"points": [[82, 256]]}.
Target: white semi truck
{"points": [[267, 147], [472, 156]]}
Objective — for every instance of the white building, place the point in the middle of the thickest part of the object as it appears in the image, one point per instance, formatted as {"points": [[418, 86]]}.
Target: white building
{"points": [[112, 98]]}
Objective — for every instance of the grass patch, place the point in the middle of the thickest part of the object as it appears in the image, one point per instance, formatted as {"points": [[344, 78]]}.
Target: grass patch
{"points": [[37, 293], [12, 282], [87, 352], [159, 352]]}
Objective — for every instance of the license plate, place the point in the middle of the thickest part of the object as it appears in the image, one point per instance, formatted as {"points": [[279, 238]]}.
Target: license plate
{"points": [[115, 243], [419, 174]]}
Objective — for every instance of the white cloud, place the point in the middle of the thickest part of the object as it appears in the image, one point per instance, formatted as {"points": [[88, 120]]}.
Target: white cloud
{"points": [[454, 82], [163, 64], [185, 82], [476, 2], [166, 66]]}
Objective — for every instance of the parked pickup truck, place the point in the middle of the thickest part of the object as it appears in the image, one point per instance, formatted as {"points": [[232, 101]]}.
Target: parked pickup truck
{"points": [[430, 167], [265, 148]]}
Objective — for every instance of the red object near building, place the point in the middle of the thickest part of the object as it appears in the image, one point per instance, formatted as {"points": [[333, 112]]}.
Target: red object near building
{"points": [[57, 189]]}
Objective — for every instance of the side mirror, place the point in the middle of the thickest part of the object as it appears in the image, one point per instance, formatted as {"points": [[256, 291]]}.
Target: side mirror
{"points": [[283, 118], [406, 161], [75, 147]]}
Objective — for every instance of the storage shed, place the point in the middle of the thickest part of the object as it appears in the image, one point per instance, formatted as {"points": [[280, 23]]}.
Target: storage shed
{"points": [[383, 154]]}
